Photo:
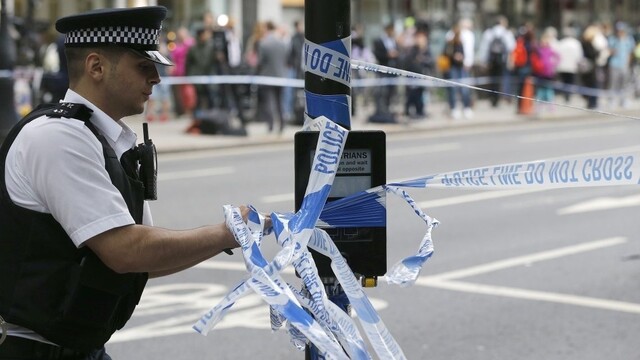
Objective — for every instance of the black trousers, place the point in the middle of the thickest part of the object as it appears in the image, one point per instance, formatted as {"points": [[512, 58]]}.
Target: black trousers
{"points": [[496, 72], [17, 348]]}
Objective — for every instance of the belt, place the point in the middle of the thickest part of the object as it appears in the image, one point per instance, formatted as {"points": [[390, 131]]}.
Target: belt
{"points": [[18, 348]]}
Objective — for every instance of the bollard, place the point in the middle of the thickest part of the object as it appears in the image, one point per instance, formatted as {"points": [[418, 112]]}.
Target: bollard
{"points": [[528, 93]]}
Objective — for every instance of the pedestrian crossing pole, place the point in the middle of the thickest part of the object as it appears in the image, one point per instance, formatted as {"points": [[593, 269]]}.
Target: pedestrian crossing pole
{"points": [[362, 239], [327, 21]]}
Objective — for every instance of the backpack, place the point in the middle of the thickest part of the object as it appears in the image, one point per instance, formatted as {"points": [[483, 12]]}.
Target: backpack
{"points": [[537, 66], [542, 65], [519, 54], [497, 51]]}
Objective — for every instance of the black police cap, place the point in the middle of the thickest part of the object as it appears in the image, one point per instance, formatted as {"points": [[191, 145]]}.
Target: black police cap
{"points": [[135, 28]]}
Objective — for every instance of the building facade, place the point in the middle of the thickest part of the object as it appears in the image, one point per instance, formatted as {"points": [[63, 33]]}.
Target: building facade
{"points": [[39, 15]]}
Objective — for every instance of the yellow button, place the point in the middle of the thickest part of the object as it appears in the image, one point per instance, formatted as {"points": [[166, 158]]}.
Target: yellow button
{"points": [[369, 282]]}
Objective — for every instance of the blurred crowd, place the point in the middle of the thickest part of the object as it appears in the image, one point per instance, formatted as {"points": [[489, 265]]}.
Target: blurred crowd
{"points": [[598, 63]]}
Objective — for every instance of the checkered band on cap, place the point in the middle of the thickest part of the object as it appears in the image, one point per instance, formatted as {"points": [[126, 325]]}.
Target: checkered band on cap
{"points": [[131, 35]]}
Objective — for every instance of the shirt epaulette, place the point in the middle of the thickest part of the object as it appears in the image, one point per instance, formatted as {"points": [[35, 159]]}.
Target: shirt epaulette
{"points": [[71, 111]]}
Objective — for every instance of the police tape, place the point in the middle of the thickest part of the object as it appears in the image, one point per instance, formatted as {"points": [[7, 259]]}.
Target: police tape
{"points": [[293, 232], [385, 346], [333, 318], [333, 333], [406, 271], [581, 171], [361, 65], [431, 82], [355, 81], [328, 328], [331, 61], [367, 208]]}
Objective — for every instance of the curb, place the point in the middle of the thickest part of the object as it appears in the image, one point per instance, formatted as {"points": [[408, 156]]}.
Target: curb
{"points": [[170, 137]]}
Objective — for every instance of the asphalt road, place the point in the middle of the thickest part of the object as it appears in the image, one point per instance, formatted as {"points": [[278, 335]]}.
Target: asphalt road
{"points": [[549, 274]]}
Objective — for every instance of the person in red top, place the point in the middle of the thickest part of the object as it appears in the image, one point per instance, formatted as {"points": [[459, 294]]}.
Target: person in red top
{"points": [[544, 62]]}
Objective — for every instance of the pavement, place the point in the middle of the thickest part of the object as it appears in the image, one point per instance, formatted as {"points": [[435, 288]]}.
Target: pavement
{"points": [[170, 136]]}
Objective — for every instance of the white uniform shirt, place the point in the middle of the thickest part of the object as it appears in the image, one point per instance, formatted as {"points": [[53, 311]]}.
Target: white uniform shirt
{"points": [[56, 166]]}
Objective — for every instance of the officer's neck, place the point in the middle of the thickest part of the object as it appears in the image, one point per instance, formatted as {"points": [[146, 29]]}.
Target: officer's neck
{"points": [[97, 97]]}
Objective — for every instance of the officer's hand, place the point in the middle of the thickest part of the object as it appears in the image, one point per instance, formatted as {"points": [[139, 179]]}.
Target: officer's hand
{"points": [[245, 210]]}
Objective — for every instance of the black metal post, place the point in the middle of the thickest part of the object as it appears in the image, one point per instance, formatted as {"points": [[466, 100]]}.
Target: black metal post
{"points": [[327, 21], [8, 115]]}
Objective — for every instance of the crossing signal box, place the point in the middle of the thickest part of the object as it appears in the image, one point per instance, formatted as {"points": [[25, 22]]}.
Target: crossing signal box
{"points": [[362, 166]]}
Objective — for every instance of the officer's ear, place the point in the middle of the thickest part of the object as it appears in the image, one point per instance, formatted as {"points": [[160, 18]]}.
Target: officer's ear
{"points": [[95, 65]]}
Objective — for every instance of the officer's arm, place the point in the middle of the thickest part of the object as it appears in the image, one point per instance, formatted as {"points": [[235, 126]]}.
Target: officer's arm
{"points": [[139, 248]]}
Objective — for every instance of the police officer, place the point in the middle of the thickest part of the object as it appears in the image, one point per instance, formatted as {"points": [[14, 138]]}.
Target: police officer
{"points": [[77, 243]]}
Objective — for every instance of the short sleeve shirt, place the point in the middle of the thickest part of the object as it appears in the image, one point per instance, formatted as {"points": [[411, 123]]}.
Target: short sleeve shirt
{"points": [[623, 47], [57, 166]]}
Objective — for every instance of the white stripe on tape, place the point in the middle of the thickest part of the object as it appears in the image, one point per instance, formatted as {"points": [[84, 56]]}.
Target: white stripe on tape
{"points": [[327, 63], [583, 171]]}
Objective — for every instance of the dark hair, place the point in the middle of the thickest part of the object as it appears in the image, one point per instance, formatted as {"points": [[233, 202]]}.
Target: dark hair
{"points": [[199, 32], [77, 55], [270, 25]]}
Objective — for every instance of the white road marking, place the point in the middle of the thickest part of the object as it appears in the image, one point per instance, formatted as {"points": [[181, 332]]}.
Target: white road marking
{"points": [[223, 152], [447, 280], [601, 203], [250, 311], [523, 260], [270, 199], [178, 306], [233, 266], [524, 294], [426, 149], [485, 195], [572, 134], [499, 128], [190, 174]]}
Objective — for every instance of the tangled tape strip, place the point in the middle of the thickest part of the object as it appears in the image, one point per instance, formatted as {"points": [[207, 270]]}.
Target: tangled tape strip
{"points": [[329, 328]]}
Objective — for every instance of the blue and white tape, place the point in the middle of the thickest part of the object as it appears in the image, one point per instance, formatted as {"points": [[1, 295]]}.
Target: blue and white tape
{"points": [[326, 312], [331, 60], [272, 293], [581, 171], [381, 339], [293, 232], [406, 271], [330, 329]]}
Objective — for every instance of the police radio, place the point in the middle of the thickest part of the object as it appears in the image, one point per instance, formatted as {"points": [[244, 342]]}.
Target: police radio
{"points": [[147, 155]]}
